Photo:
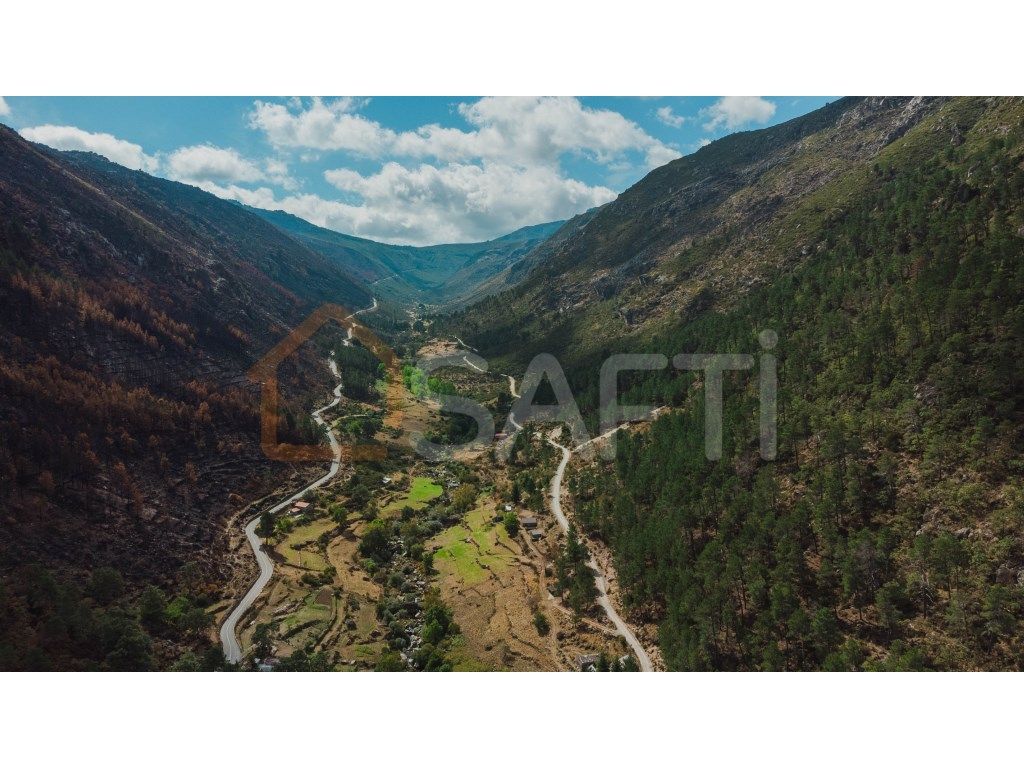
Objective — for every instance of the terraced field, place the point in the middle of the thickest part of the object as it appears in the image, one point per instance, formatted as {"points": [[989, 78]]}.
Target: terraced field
{"points": [[422, 490], [474, 549], [299, 549]]}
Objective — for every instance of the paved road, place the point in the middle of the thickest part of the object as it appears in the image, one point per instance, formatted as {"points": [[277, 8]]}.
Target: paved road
{"points": [[603, 600], [228, 630]]}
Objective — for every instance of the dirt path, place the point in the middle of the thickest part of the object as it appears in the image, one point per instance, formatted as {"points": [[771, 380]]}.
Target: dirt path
{"points": [[646, 665], [555, 495]]}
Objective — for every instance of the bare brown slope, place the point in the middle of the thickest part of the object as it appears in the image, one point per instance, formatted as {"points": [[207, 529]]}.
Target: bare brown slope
{"points": [[130, 309]]}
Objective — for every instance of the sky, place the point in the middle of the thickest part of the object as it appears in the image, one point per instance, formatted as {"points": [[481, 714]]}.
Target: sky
{"points": [[411, 170]]}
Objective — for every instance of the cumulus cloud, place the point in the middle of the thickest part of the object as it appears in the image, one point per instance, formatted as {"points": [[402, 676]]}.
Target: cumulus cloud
{"points": [[669, 118], [513, 131], [440, 183], [114, 149], [204, 162], [324, 125], [5, 108], [732, 112], [426, 204], [458, 201], [499, 170]]}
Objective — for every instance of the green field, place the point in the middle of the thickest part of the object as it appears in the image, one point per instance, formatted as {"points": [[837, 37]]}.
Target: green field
{"points": [[484, 552], [422, 490]]}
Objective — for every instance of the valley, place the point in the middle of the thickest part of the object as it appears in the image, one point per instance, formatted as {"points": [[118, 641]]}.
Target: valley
{"points": [[866, 257], [454, 545]]}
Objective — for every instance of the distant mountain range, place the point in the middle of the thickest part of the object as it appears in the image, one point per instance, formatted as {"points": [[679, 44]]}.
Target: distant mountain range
{"points": [[440, 275]]}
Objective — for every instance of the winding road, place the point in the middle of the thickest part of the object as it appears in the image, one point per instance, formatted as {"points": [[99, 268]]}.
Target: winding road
{"points": [[555, 490], [228, 630], [511, 387], [602, 583]]}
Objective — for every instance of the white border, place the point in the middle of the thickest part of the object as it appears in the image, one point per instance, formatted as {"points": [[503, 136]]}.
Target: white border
{"points": [[399, 47], [630, 48], [509, 720]]}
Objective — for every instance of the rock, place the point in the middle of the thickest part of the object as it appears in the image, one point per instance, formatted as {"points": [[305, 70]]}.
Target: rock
{"points": [[1006, 575]]}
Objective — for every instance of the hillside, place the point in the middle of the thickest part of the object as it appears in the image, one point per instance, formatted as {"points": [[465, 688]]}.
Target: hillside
{"points": [[443, 275], [130, 310], [883, 240], [692, 233]]}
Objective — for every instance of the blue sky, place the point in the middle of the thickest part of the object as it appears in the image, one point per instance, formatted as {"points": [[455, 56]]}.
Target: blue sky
{"points": [[417, 170]]}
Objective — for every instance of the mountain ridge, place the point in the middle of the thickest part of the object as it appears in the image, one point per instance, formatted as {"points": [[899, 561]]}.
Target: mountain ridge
{"points": [[138, 305], [446, 275], [883, 242]]}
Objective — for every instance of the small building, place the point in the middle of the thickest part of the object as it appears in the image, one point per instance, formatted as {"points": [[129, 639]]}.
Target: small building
{"points": [[588, 662], [536, 535], [529, 522], [267, 665], [301, 504], [508, 507]]}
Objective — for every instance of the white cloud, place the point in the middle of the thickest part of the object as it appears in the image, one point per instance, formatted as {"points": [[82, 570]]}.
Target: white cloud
{"points": [[114, 149], [733, 112], [455, 202], [669, 118], [325, 125], [427, 204], [502, 172], [5, 108], [204, 162], [515, 131], [260, 197]]}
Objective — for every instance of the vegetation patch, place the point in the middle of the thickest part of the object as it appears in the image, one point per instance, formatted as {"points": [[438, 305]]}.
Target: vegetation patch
{"points": [[299, 548], [422, 490], [473, 549]]}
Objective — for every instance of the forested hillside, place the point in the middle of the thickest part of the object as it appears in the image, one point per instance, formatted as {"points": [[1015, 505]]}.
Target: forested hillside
{"points": [[887, 533], [447, 275], [130, 310]]}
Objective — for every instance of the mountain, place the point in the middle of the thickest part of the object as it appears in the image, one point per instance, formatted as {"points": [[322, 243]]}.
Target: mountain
{"points": [[694, 231], [444, 275], [131, 309], [883, 241]]}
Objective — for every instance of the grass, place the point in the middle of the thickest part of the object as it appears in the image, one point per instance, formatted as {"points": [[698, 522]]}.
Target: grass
{"points": [[422, 490], [472, 561], [292, 547], [311, 612], [462, 661]]}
